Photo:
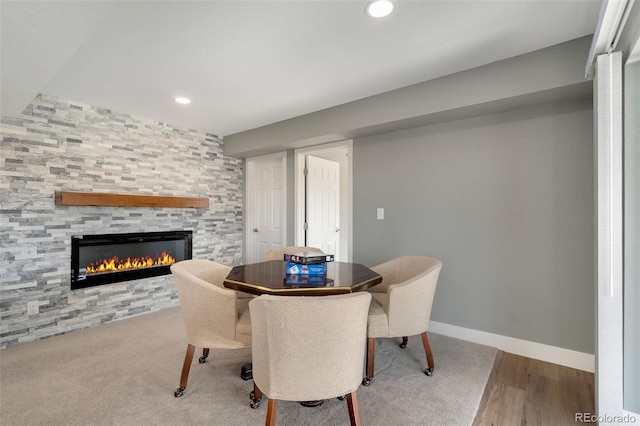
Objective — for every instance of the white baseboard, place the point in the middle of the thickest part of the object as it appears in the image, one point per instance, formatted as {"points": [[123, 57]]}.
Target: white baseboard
{"points": [[553, 354]]}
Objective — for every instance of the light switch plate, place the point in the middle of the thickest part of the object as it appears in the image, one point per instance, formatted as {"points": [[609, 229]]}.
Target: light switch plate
{"points": [[380, 213]]}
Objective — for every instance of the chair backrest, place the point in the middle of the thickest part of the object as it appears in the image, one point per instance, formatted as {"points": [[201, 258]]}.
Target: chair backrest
{"points": [[279, 252], [309, 348], [411, 285], [209, 310]]}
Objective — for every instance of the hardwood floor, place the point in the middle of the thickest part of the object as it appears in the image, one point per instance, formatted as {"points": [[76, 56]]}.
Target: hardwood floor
{"points": [[525, 391]]}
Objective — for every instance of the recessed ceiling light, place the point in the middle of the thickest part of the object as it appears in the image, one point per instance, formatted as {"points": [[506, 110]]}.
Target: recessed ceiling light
{"points": [[379, 8], [182, 100]]}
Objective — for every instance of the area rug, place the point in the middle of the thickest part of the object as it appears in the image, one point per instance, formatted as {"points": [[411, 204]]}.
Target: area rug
{"points": [[125, 373]]}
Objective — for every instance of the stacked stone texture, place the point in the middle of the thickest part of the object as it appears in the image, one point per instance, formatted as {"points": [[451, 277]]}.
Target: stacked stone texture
{"points": [[56, 145]]}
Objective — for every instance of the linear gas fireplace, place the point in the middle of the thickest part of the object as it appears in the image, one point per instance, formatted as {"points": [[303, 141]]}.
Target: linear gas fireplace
{"points": [[111, 258]]}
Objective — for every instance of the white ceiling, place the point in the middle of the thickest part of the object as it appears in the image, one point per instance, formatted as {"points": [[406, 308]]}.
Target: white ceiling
{"points": [[246, 64]]}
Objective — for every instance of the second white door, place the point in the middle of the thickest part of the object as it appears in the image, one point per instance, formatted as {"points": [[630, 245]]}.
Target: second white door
{"points": [[323, 204]]}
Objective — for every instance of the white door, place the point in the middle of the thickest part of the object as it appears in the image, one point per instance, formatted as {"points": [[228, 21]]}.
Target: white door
{"points": [[323, 204], [265, 208], [341, 152]]}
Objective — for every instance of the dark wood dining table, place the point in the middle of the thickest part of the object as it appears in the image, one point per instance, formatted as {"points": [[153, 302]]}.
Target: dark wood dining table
{"points": [[270, 277]]}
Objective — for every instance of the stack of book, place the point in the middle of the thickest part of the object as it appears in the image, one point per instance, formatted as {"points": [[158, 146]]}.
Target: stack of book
{"points": [[307, 263]]}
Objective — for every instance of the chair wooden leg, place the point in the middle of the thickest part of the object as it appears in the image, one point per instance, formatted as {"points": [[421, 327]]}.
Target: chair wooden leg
{"points": [[205, 355], [272, 408], [255, 396], [371, 353], [186, 366], [354, 410], [427, 351]]}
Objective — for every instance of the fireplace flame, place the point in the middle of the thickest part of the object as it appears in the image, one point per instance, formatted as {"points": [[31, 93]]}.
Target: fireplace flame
{"points": [[115, 264]]}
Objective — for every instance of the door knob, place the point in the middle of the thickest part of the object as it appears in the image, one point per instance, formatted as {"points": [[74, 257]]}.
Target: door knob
{"points": [[255, 229], [337, 229]]}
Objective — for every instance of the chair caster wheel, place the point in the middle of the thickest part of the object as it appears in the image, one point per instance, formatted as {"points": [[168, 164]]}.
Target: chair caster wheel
{"points": [[179, 392], [202, 359], [254, 403], [403, 344], [341, 398], [429, 372], [366, 381]]}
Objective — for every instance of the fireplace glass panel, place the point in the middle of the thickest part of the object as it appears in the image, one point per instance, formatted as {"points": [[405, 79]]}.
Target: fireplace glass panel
{"points": [[110, 258]]}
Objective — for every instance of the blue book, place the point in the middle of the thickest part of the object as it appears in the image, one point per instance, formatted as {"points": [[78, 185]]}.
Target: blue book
{"points": [[293, 268]]}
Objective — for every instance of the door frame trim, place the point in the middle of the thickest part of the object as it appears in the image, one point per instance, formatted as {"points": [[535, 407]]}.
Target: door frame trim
{"points": [[609, 185], [249, 191], [299, 163]]}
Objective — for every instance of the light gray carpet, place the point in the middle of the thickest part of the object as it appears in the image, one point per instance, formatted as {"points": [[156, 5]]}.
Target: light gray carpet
{"points": [[124, 373]]}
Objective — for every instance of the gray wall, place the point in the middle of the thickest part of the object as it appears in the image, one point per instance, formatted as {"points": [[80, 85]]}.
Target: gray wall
{"points": [[60, 145], [506, 202], [545, 75]]}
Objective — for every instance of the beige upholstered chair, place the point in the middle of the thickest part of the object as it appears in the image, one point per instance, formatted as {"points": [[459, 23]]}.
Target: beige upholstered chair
{"points": [[401, 304], [214, 317], [309, 348], [279, 252]]}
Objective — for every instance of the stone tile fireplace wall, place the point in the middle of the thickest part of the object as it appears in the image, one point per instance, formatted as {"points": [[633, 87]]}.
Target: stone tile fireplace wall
{"points": [[57, 145]]}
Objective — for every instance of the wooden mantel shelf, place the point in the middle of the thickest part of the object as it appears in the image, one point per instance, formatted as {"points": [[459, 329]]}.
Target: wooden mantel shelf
{"points": [[126, 200]]}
